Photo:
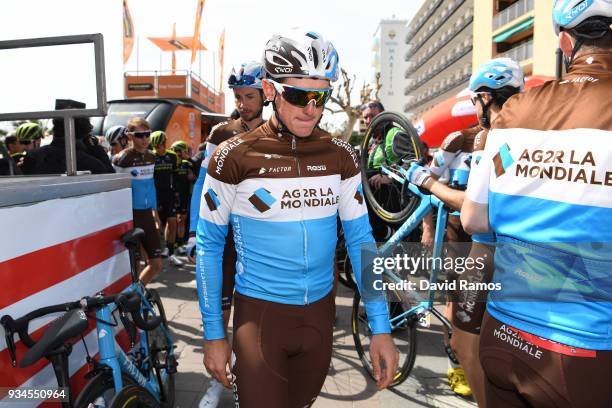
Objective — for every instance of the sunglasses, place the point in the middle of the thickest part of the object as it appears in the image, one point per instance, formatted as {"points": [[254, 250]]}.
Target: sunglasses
{"points": [[140, 135], [25, 142], [242, 80], [301, 97]]}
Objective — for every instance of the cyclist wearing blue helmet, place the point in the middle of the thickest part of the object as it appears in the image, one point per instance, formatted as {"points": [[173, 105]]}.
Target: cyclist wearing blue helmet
{"points": [[542, 186], [282, 187], [492, 85]]}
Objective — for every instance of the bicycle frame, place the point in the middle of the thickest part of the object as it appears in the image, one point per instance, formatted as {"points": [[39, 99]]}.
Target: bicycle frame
{"points": [[115, 358], [428, 202]]}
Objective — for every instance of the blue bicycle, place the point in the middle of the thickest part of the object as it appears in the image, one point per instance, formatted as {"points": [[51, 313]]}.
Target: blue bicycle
{"points": [[143, 377], [407, 307]]}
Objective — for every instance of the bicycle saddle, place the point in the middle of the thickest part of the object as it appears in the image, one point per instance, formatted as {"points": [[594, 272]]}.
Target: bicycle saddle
{"points": [[69, 325], [133, 236]]}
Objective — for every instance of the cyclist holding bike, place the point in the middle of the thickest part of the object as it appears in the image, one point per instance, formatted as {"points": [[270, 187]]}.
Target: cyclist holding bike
{"points": [[543, 342], [492, 84], [281, 186]]}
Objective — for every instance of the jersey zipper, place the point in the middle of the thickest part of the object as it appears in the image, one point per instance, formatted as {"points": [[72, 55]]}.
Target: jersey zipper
{"points": [[304, 231]]}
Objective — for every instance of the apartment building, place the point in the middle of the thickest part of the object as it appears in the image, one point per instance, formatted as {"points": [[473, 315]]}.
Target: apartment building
{"points": [[519, 29], [439, 54]]}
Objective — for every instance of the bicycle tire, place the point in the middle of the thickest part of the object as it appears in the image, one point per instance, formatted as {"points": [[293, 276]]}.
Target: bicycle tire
{"points": [[407, 347], [161, 351], [390, 216], [100, 386], [134, 396]]}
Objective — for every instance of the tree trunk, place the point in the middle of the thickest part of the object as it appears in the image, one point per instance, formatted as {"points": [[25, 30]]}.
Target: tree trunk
{"points": [[348, 130]]}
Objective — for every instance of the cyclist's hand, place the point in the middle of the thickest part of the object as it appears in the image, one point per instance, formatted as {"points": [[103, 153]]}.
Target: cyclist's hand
{"points": [[217, 354], [385, 358], [190, 249], [418, 174]]}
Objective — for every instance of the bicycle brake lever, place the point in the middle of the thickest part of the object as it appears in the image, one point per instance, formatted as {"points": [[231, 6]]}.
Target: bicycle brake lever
{"points": [[9, 337], [129, 328]]}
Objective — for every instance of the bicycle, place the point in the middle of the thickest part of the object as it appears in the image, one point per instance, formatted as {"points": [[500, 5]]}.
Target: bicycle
{"points": [[142, 377], [407, 307]]}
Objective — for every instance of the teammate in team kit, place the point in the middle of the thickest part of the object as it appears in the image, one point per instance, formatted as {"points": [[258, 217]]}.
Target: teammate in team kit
{"points": [[183, 179], [139, 162], [543, 186], [166, 165], [281, 187], [248, 95], [492, 85]]}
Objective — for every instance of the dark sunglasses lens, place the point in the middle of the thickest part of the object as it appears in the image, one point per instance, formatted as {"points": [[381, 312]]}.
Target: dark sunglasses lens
{"points": [[141, 135], [26, 142], [301, 98]]}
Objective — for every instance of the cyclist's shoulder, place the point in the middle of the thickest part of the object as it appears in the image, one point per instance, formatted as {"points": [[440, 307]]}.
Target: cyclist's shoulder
{"points": [[225, 130], [345, 152]]}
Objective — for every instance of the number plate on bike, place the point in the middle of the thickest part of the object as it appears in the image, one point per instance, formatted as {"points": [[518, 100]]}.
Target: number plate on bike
{"points": [[425, 320]]}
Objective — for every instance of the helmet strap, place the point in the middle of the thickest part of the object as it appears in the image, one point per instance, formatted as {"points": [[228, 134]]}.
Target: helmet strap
{"points": [[485, 120]]}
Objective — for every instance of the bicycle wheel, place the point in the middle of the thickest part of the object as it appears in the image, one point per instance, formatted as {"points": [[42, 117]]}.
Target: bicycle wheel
{"points": [[404, 336], [133, 396], [161, 350], [100, 390], [392, 203]]}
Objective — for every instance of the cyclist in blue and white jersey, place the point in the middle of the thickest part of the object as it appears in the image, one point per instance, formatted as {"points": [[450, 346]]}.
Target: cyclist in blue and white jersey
{"points": [[543, 185]]}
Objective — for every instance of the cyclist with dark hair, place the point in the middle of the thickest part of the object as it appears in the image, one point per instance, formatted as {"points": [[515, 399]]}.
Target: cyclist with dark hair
{"points": [[282, 186], [492, 85], [541, 187]]}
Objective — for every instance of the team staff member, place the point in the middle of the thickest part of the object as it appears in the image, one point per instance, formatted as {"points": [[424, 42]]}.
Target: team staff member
{"points": [[139, 162], [492, 84], [166, 165], [546, 337], [284, 184]]}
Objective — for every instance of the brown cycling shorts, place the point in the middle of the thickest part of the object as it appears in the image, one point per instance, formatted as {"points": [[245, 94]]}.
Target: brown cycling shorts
{"points": [[151, 242], [282, 352], [522, 371], [469, 304]]}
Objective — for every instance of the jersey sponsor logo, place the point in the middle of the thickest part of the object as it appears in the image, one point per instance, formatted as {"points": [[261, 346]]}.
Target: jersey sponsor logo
{"points": [[562, 165], [309, 197], [507, 335], [278, 169], [262, 200], [579, 80], [320, 167], [223, 151], [359, 194], [272, 156], [346, 146], [212, 200]]}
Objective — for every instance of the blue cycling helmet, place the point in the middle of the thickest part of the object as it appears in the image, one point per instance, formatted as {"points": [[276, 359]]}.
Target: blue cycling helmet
{"points": [[496, 74], [249, 75], [568, 14], [113, 134], [300, 55]]}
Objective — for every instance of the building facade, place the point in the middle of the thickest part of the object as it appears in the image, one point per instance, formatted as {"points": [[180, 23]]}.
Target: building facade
{"points": [[518, 29], [439, 43], [389, 50]]}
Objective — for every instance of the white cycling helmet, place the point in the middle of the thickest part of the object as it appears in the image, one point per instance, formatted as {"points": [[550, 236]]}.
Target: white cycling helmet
{"points": [[498, 73], [301, 55], [570, 13]]}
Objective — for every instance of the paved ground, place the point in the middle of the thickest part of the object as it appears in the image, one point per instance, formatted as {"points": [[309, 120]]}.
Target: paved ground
{"points": [[347, 385]]}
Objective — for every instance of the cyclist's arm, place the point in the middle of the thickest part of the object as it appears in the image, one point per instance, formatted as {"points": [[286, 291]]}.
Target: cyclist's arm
{"points": [[451, 197], [358, 236], [218, 195], [475, 208]]}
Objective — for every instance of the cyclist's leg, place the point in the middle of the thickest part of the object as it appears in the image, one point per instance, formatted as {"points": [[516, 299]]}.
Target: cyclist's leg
{"points": [[151, 243], [467, 312], [286, 348]]}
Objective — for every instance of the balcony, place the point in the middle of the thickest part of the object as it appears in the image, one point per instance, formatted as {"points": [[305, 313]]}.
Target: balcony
{"points": [[459, 77], [446, 61], [433, 6], [513, 12], [520, 53]]}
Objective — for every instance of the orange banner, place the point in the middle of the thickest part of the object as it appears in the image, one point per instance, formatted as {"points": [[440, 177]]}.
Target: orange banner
{"points": [[139, 86], [196, 31], [172, 86], [128, 33], [221, 50]]}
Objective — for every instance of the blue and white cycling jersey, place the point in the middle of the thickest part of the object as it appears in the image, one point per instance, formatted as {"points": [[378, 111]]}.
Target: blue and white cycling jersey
{"points": [[140, 166], [547, 181], [282, 196]]}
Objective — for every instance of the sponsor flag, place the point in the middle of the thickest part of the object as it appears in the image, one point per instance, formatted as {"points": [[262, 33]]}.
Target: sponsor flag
{"points": [[173, 53], [221, 49], [128, 33], [196, 31]]}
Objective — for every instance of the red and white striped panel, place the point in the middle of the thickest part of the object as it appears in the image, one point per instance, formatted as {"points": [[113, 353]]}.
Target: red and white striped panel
{"points": [[58, 251]]}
